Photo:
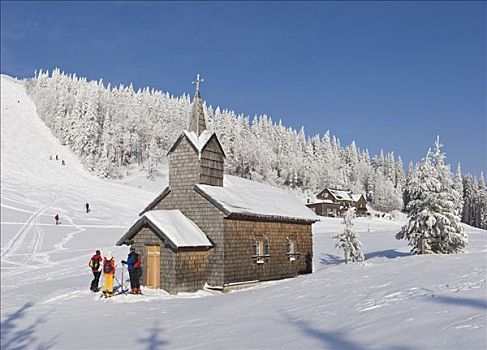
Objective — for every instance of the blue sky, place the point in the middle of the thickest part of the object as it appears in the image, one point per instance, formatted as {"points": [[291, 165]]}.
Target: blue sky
{"points": [[386, 74]]}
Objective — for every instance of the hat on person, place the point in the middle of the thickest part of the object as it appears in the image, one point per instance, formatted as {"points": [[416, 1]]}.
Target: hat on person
{"points": [[109, 255], [97, 252]]}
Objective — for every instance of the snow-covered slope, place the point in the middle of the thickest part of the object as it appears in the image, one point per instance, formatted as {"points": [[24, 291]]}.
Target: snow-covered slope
{"points": [[391, 301]]}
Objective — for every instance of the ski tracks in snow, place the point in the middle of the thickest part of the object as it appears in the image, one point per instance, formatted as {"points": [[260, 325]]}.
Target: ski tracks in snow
{"points": [[24, 233], [24, 254], [415, 292]]}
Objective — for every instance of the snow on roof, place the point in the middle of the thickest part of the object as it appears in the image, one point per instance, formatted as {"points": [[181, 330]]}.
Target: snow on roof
{"points": [[178, 228], [356, 196], [199, 142], [341, 195], [171, 224], [324, 201], [245, 197]]}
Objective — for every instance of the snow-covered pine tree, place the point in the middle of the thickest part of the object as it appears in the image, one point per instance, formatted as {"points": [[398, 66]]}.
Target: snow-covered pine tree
{"points": [[349, 240], [470, 190], [434, 223], [482, 203], [390, 168], [400, 178], [154, 158], [385, 197], [458, 188], [412, 172]]}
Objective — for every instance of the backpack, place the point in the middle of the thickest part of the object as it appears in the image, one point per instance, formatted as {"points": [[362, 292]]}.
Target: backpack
{"points": [[107, 266], [95, 264], [138, 261]]}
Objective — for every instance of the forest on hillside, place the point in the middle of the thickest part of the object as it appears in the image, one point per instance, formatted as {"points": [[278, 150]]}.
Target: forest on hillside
{"points": [[112, 127]]}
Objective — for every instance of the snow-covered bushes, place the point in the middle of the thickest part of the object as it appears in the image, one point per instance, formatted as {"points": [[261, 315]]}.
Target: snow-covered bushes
{"points": [[348, 240]]}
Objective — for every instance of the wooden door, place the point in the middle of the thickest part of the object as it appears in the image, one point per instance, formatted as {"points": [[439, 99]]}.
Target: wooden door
{"points": [[153, 266]]}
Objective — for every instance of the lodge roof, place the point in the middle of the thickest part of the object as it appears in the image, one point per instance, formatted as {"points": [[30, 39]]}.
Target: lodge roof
{"points": [[344, 195], [170, 226]]}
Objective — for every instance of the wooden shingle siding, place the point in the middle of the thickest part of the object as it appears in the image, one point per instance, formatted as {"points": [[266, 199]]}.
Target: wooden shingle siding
{"points": [[211, 164], [184, 169], [239, 263]]}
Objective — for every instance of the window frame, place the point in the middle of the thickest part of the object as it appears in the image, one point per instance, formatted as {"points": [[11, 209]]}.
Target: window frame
{"points": [[261, 248], [292, 241]]}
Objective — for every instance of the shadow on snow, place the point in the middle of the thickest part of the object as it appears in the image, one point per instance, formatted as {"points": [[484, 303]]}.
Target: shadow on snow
{"points": [[468, 302], [152, 341], [333, 339], [17, 335], [389, 254], [330, 259]]}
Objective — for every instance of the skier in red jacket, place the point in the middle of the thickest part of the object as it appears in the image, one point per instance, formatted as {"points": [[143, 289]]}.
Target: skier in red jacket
{"points": [[96, 267]]}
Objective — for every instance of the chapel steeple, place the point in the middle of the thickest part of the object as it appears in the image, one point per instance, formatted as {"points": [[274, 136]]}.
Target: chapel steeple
{"points": [[197, 123]]}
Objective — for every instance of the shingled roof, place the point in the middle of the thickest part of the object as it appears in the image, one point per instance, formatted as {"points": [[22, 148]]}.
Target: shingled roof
{"points": [[244, 198]]}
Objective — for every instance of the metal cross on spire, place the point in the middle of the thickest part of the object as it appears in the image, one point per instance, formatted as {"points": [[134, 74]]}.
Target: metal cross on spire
{"points": [[198, 81]]}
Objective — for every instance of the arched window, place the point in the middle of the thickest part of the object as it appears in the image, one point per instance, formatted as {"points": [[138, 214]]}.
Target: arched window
{"points": [[261, 248], [292, 247]]}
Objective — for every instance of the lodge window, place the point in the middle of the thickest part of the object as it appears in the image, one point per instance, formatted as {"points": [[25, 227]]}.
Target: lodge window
{"points": [[261, 248], [292, 248]]}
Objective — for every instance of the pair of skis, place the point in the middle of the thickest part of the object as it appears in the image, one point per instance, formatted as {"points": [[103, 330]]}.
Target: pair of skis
{"points": [[120, 289]]}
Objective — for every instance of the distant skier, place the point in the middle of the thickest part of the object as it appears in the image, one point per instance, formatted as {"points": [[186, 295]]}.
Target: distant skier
{"points": [[134, 261], [62, 162], [57, 157], [95, 264], [108, 275], [57, 219], [50, 157], [87, 205]]}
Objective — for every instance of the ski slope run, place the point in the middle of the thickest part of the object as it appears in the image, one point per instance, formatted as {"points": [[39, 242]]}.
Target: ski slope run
{"points": [[391, 301], [34, 251]]}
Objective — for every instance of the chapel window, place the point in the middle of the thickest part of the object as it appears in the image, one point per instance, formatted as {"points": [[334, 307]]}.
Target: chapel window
{"points": [[292, 248], [261, 248]]}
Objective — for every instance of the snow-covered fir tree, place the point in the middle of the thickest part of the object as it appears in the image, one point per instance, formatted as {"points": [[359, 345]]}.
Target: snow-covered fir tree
{"points": [[458, 190], [412, 173], [433, 220], [348, 240], [385, 196]]}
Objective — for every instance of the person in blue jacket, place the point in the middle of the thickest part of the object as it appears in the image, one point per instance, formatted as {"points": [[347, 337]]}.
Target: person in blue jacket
{"points": [[134, 263]]}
